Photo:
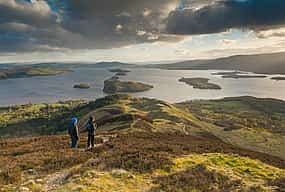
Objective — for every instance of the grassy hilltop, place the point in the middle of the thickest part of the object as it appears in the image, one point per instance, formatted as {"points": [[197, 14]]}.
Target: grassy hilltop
{"points": [[147, 145]]}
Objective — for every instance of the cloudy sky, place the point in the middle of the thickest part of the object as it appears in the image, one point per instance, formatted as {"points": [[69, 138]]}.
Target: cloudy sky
{"points": [[138, 30]]}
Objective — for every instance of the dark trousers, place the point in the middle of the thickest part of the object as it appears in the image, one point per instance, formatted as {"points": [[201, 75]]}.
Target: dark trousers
{"points": [[74, 141], [91, 140]]}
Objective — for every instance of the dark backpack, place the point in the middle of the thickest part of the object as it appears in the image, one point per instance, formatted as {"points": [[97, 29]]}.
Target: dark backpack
{"points": [[88, 126]]}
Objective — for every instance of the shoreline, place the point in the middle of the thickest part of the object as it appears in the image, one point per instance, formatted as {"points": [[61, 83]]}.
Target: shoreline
{"points": [[130, 94]]}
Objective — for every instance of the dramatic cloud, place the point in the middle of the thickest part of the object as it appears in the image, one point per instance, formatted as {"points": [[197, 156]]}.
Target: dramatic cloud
{"points": [[84, 24], [221, 15], [36, 14], [116, 23], [47, 25], [280, 32]]}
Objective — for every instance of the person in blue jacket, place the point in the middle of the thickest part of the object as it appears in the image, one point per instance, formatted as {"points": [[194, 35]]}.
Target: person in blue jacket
{"points": [[73, 132]]}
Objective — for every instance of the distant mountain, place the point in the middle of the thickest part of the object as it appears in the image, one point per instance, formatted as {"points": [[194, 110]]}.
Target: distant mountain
{"points": [[87, 65], [273, 63], [4, 65], [113, 64]]}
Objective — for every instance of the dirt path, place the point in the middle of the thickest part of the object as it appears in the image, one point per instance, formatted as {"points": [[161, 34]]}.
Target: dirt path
{"points": [[55, 180], [54, 162]]}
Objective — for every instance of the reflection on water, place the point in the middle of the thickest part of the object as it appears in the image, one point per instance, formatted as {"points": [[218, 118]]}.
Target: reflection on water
{"points": [[166, 86]]}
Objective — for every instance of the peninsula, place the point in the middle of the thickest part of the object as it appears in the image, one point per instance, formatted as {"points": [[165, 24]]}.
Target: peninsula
{"points": [[25, 72]]}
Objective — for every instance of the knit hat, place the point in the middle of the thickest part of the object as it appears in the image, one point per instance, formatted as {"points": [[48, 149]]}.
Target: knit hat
{"points": [[74, 120]]}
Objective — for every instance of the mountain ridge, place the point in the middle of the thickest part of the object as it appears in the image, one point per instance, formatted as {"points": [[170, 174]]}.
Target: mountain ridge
{"points": [[270, 63]]}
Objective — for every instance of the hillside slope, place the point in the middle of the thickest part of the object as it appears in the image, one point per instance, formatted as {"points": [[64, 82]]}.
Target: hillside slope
{"points": [[114, 112], [142, 145], [248, 122], [273, 63]]}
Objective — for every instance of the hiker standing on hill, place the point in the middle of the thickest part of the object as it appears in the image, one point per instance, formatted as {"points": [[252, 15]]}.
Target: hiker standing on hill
{"points": [[73, 132], [91, 127]]}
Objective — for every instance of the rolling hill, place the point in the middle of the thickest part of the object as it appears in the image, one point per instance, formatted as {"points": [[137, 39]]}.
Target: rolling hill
{"points": [[146, 145], [273, 63]]}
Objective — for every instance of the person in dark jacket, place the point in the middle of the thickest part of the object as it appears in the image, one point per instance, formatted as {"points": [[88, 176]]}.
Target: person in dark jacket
{"points": [[73, 132], [91, 127]]}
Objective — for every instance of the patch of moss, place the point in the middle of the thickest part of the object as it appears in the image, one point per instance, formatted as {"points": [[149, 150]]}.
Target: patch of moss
{"points": [[197, 178], [106, 182], [243, 167], [204, 172]]}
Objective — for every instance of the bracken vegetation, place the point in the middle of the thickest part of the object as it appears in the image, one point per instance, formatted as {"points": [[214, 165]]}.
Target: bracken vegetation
{"points": [[143, 145]]}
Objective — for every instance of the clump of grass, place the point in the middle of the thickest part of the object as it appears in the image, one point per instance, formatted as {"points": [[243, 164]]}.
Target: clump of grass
{"points": [[197, 178], [36, 188], [279, 182], [241, 166], [10, 174], [136, 161], [218, 172], [106, 182]]}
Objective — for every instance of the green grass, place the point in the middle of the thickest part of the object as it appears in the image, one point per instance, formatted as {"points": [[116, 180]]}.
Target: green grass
{"points": [[243, 167], [218, 172], [241, 112], [248, 122], [48, 119], [107, 181], [37, 119], [195, 172], [153, 143], [256, 124]]}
